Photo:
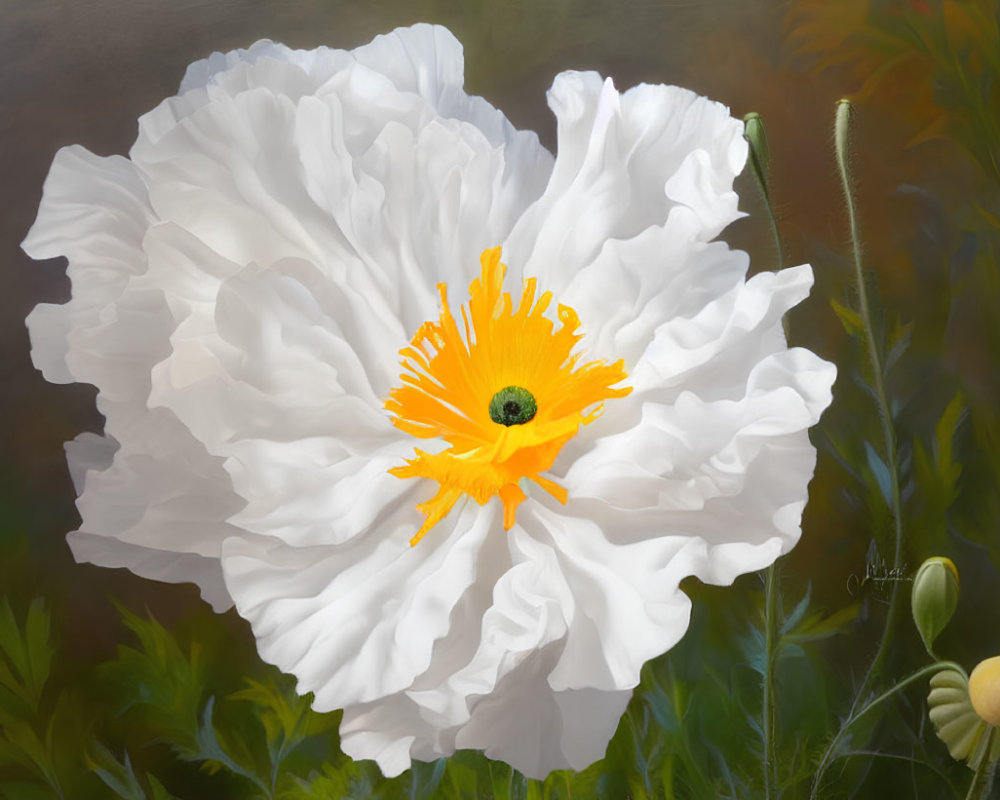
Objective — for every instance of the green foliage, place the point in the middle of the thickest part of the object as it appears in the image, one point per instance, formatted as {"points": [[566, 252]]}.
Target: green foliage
{"points": [[41, 726], [946, 53], [261, 737], [166, 683], [120, 777]]}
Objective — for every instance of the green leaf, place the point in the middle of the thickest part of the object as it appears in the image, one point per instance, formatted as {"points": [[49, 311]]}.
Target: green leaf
{"points": [[210, 750], [899, 342], [11, 642], [849, 318], [425, 778], [944, 436], [157, 790], [819, 626], [161, 679], [117, 776], [501, 780], [21, 744], [341, 780], [798, 612], [287, 717], [13, 693], [16, 670], [286, 720], [38, 648], [881, 473], [462, 776], [121, 778]]}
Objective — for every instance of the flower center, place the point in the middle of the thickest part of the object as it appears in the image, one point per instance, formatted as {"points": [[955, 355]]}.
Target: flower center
{"points": [[512, 405], [506, 396]]}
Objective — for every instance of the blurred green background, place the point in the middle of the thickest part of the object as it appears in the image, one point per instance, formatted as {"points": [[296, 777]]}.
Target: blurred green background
{"points": [[97, 720]]}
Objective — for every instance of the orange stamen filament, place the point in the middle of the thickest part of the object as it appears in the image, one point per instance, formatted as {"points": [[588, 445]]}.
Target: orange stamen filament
{"points": [[449, 380]]}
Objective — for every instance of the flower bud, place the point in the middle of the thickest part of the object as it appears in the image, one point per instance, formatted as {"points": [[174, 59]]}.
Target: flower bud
{"points": [[984, 690], [760, 153], [935, 597]]}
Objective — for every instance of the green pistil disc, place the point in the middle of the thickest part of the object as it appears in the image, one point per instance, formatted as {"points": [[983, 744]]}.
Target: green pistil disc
{"points": [[512, 405]]}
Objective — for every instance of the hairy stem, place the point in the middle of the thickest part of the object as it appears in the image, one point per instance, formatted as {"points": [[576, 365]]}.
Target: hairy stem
{"points": [[841, 137], [760, 165], [982, 778], [831, 751], [760, 160]]}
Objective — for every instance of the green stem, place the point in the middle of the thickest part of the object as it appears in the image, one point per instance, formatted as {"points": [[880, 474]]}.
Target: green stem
{"points": [[841, 130], [830, 754], [779, 254], [760, 160], [768, 711], [982, 778]]}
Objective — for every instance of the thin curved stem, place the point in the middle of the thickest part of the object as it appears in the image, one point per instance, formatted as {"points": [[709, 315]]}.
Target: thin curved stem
{"points": [[982, 778], [760, 160], [841, 131], [768, 710], [830, 754]]}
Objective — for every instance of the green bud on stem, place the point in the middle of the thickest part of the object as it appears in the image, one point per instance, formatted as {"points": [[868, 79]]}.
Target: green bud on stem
{"points": [[934, 598]]}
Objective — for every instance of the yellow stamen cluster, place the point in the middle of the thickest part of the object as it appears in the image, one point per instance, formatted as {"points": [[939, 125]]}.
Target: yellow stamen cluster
{"points": [[449, 381]]}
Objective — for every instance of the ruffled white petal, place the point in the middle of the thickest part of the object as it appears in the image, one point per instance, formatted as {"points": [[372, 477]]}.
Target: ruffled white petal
{"points": [[158, 504], [526, 724], [713, 349], [95, 212], [241, 289], [681, 454], [88, 452], [430, 178], [343, 237], [356, 622], [712, 489], [109, 504], [625, 605], [491, 690], [641, 182], [536, 729], [157, 565]]}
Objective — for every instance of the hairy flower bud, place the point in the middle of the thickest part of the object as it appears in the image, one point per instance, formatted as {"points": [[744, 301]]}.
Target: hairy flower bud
{"points": [[934, 598], [760, 153]]}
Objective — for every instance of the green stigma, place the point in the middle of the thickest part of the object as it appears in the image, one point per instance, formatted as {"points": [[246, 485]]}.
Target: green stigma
{"points": [[512, 405]]}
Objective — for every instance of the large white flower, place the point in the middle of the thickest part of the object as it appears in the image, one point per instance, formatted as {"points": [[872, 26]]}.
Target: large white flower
{"points": [[458, 512]]}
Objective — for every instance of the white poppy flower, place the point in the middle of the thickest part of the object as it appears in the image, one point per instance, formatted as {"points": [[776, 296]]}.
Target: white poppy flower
{"points": [[291, 299]]}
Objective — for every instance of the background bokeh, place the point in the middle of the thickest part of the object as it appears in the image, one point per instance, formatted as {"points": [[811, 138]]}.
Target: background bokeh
{"points": [[926, 138]]}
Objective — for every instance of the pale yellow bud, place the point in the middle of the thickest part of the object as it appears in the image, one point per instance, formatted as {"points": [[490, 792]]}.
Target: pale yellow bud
{"points": [[984, 690]]}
